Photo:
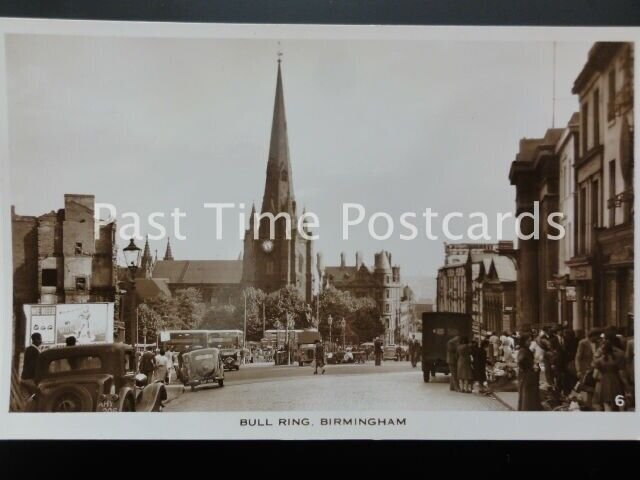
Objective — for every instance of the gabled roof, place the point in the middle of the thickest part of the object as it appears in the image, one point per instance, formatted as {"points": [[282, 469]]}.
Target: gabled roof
{"points": [[349, 275], [199, 271], [505, 268]]}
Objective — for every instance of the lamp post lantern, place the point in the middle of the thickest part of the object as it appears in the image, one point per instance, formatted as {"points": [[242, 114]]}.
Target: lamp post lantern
{"points": [[132, 254], [343, 325]]}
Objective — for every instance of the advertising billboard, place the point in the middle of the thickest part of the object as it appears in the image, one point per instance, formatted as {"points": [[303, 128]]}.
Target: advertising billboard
{"points": [[88, 322]]}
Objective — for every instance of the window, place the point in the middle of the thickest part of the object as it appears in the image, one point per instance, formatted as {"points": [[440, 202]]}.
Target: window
{"points": [[387, 308], [611, 104], [612, 193], [585, 127], [388, 293], [78, 248], [49, 277], [81, 284], [595, 204], [596, 118], [74, 363], [582, 231]]}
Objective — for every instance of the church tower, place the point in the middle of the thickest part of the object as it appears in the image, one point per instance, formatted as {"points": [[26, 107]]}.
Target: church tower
{"points": [[280, 257]]}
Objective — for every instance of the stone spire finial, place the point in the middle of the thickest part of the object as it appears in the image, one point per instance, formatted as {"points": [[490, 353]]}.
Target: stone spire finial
{"points": [[168, 255]]}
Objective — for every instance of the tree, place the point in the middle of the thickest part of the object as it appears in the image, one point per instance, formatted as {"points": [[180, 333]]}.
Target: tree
{"points": [[283, 303], [190, 307], [184, 311], [365, 321]]}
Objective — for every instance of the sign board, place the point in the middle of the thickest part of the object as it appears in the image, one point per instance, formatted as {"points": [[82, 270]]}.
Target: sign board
{"points": [[88, 322], [165, 336], [571, 294]]}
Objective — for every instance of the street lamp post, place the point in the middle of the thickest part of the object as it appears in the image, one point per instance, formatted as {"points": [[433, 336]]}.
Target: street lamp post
{"points": [[244, 340], [343, 324], [330, 322], [132, 255], [290, 326]]}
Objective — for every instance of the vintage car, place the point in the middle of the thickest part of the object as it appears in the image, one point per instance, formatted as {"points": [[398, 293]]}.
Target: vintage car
{"points": [[231, 357], [306, 346], [204, 365], [93, 378], [390, 353]]}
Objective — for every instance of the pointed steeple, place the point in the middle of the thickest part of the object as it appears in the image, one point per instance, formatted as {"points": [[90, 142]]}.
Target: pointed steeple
{"points": [[278, 191], [167, 254], [146, 262], [252, 217]]}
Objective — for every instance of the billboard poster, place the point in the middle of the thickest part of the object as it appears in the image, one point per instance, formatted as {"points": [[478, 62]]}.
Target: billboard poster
{"points": [[88, 322]]}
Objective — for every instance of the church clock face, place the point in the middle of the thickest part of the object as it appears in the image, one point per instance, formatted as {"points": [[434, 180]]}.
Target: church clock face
{"points": [[267, 246]]}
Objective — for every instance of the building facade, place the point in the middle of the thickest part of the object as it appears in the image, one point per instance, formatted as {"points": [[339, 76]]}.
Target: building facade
{"points": [[271, 259], [380, 282], [464, 279], [603, 263], [584, 172], [57, 258]]}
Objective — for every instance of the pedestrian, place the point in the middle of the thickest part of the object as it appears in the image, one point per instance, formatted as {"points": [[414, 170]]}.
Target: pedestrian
{"points": [[528, 378], [413, 347], [169, 355], [31, 354], [494, 348], [629, 357], [479, 362], [162, 366], [611, 376], [70, 341], [147, 364], [465, 373], [508, 346], [570, 350], [319, 357], [377, 348], [558, 364], [585, 355], [452, 362]]}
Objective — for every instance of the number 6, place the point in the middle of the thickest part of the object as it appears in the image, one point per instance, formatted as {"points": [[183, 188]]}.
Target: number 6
{"points": [[619, 401]]}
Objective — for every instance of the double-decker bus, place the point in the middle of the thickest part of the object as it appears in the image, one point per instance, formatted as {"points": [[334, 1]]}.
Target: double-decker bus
{"points": [[230, 343]]}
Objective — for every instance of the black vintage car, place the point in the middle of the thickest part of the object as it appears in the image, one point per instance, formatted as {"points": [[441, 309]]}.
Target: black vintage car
{"points": [[93, 378], [437, 329]]}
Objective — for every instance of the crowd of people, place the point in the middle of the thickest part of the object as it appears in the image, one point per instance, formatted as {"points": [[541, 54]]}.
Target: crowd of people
{"points": [[555, 368]]}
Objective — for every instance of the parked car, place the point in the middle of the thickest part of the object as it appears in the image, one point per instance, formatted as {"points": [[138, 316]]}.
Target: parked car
{"points": [[201, 366], [390, 353], [93, 378]]}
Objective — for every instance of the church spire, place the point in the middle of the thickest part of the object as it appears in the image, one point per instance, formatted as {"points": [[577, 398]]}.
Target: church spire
{"points": [[167, 254], [278, 191], [146, 262]]}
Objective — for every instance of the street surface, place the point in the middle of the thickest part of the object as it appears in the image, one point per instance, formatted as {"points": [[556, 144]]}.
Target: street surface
{"points": [[392, 386]]}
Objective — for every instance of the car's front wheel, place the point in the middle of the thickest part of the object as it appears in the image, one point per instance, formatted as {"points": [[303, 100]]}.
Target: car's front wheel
{"points": [[221, 382]]}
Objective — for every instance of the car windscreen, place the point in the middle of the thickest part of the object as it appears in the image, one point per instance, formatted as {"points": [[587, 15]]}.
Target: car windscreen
{"points": [[75, 363]]}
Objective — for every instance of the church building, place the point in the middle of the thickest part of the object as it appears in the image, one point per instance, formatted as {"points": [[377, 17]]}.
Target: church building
{"points": [[271, 261]]}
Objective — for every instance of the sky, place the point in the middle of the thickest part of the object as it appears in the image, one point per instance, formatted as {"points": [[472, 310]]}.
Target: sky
{"points": [[150, 124]]}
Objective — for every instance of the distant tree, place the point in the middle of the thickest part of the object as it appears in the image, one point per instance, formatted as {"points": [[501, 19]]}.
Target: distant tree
{"points": [[365, 321], [283, 303], [190, 307]]}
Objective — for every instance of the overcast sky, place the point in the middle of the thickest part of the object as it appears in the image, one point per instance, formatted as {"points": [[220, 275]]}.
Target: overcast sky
{"points": [[154, 124]]}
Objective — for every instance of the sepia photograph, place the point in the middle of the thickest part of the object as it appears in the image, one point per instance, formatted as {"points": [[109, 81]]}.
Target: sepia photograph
{"points": [[292, 225]]}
